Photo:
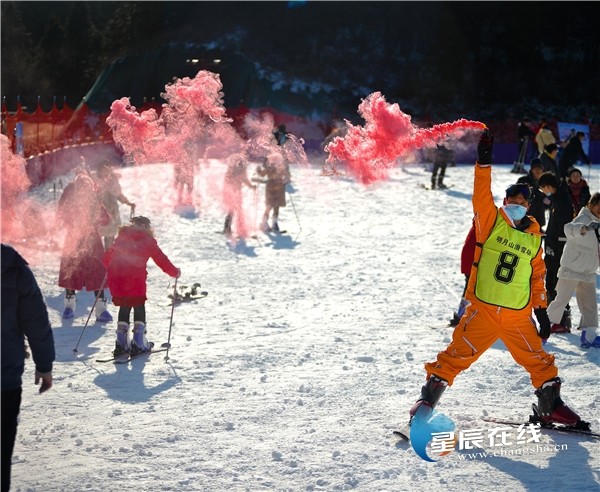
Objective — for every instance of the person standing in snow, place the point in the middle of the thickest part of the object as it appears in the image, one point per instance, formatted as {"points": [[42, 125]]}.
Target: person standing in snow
{"points": [[541, 190], [544, 137], [81, 213], [548, 158], [110, 194], [525, 133], [578, 189], [126, 262], [506, 286], [280, 134], [24, 314], [442, 156], [561, 213], [235, 176], [577, 272], [277, 173], [573, 152]]}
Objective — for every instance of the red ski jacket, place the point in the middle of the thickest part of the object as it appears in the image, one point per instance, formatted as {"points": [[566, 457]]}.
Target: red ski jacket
{"points": [[126, 262]]}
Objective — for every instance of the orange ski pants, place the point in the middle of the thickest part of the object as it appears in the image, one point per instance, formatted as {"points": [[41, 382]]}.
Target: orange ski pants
{"points": [[479, 329]]}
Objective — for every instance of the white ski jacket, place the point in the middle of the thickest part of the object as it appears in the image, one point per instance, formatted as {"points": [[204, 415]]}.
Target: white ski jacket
{"points": [[581, 256]]}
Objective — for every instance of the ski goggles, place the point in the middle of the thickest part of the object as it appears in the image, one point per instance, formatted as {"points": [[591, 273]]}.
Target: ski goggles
{"points": [[518, 189]]}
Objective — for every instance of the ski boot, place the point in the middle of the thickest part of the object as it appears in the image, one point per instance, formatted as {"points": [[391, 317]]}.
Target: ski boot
{"points": [[558, 328], [440, 184], [102, 314], [70, 303], [140, 343], [274, 226], [552, 410], [433, 183], [430, 395], [264, 226], [122, 343], [586, 343]]}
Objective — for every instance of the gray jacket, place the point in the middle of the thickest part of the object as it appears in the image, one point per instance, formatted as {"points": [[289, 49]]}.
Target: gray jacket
{"points": [[580, 258]]}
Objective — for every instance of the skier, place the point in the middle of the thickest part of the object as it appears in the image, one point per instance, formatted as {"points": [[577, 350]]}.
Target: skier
{"points": [[524, 134], [442, 156], [544, 137], [126, 262], [235, 177], [81, 213], [506, 284], [561, 213], [277, 172], [572, 153], [110, 194], [280, 135], [577, 272]]}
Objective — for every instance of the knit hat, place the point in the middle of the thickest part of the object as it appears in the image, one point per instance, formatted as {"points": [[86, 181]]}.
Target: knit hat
{"points": [[572, 170]]}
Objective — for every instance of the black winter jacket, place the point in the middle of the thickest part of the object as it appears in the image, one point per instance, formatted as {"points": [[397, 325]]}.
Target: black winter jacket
{"points": [[561, 213], [572, 153], [24, 314]]}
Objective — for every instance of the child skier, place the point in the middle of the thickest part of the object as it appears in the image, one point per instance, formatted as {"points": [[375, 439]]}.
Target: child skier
{"points": [[277, 173], [81, 213], [125, 263], [235, 177]]}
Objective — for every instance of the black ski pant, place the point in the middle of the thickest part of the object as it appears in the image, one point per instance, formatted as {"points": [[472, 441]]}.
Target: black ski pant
{"points": [[11, 405]]}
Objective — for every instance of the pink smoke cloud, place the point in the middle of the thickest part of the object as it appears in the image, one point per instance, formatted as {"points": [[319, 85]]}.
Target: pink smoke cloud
{"points": [[193, 126], [24, 219], [370, 151]]}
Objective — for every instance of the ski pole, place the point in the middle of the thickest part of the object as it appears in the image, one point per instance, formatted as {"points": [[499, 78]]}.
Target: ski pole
{"points": [[168, 343], [295, 213], [91, 311]]}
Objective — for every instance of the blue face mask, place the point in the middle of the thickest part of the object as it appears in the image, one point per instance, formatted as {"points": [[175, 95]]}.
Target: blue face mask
{"points": [[514, 211]]}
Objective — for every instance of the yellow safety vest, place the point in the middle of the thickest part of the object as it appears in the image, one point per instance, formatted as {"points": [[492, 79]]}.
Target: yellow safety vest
{"points": [[504, 269]]}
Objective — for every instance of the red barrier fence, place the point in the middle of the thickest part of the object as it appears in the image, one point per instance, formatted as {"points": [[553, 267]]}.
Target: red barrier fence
{"points": [[62, 128]]}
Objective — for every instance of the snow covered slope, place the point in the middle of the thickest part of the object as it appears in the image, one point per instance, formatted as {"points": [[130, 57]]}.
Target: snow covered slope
{"points": [[306, 354]]}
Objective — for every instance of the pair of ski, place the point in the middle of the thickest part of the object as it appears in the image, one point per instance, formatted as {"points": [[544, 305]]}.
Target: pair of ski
{"points": [[404, 434], [445, 187], [125, 358]]}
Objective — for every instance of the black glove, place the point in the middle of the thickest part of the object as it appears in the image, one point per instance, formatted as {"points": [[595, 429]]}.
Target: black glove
{"points": [[542, 318], [484, 148]]}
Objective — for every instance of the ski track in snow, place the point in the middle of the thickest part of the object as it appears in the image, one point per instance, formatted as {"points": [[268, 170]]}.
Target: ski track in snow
{"points": [[306, 354]]}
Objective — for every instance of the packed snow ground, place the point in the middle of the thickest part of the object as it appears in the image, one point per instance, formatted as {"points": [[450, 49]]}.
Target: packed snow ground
{"points": [[306, 354]]}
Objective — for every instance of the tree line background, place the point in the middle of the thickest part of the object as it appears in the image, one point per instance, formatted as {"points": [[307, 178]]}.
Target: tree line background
{"points": [[443, 59]]}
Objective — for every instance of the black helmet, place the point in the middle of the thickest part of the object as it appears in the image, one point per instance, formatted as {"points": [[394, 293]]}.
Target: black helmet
{"points": [[141, 221]]}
